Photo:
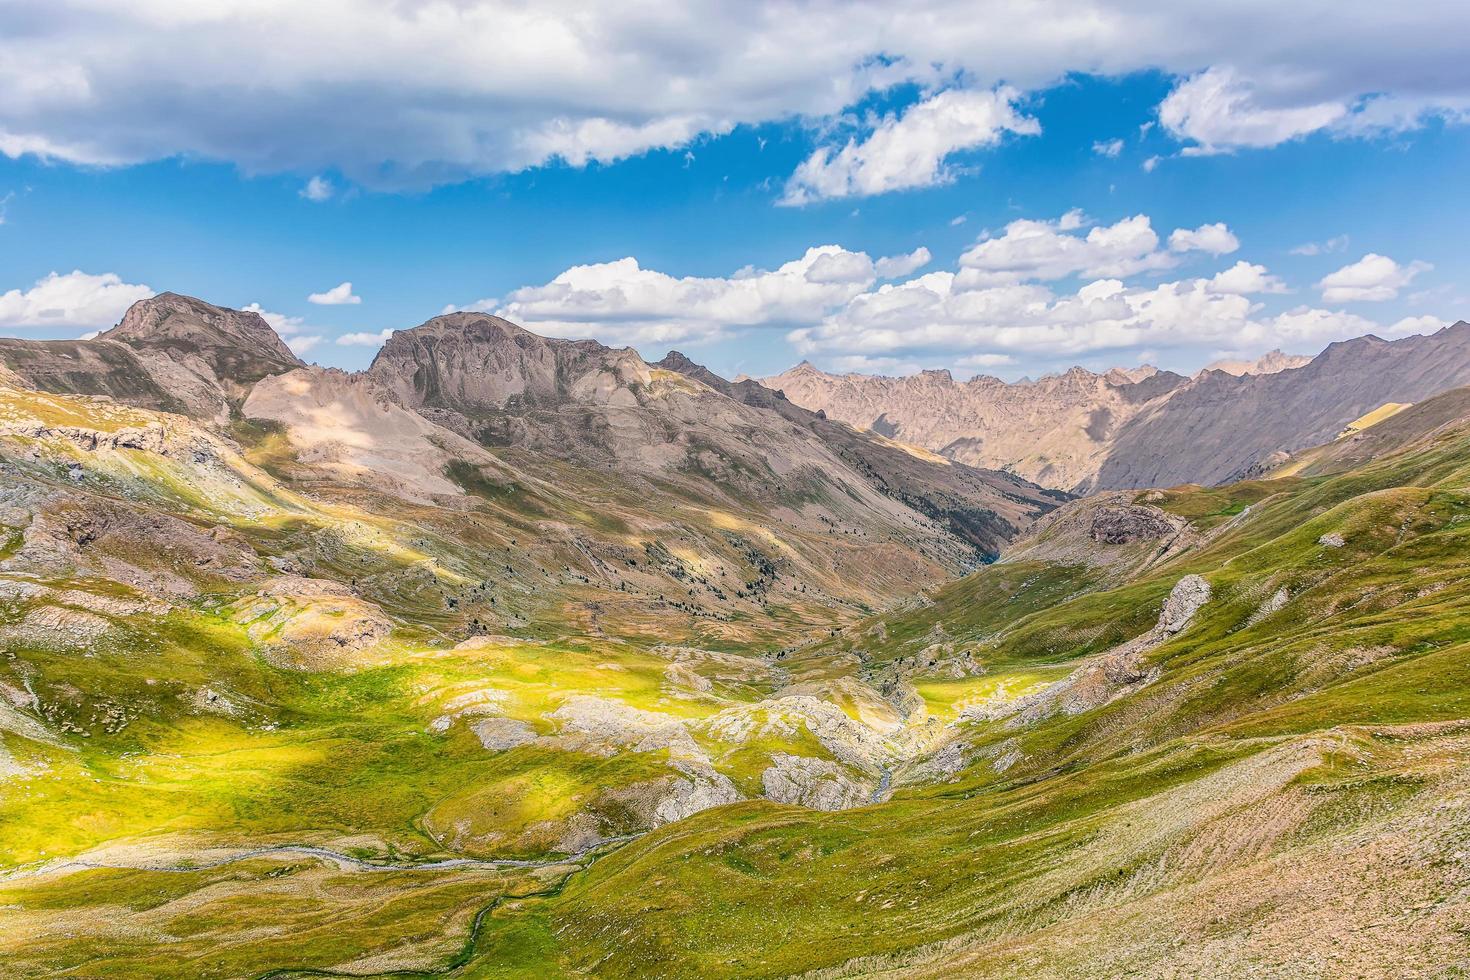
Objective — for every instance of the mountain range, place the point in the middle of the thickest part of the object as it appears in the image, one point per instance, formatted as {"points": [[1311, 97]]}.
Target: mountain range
{"points": [[1081, 431], [517, 656]]}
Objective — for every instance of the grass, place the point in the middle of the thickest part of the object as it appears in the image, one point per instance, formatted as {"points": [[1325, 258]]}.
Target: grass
{"points": [[1277, 748]]}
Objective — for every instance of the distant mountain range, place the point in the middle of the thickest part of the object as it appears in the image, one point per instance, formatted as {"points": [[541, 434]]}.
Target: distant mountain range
{"points": [[1082, 431]]}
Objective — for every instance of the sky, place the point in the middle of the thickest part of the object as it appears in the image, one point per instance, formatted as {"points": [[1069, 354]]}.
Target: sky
{"points": [[1000, 188]]}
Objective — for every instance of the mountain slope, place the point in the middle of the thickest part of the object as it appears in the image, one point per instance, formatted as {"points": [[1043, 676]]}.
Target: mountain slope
{"points": [[1219, 427], [378, 681], [1163, 769], [1055, 431], [1084, 432], [170, 353]]}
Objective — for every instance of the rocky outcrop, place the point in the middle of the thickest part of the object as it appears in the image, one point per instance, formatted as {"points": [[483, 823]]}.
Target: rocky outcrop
{"points": [[814, 783], [1118, 532], [1124, 525], [1121, 670], [500, 734], [312, 624], [1186, 598]]}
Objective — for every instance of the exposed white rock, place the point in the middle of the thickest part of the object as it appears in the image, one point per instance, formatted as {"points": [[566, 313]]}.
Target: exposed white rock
{"points": [[1189, 594], [500, 734], [816, 783], [698, 790], [1331, 540]]}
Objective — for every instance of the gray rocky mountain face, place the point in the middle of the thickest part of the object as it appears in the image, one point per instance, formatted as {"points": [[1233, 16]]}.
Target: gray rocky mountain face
{"points": [[464, 387], [171, 353], [1221, 428], [1084, 432]]}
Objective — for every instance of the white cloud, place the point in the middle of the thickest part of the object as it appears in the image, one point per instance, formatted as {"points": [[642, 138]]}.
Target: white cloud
{"points": [[622, 302], [579, 142], [935, 314], [1372, 278], [1215, 239], [1047, 250], [302, 343], [1149, 164], [958, 220], [910, 150], [366, 339], [291, 329], [1243, 279], [73, 299], [898, 266], [1335, 244], [985, 361], [318, 189], [1108, 148], [1219, 110], [339, 295], [1416, 325], [402, 93]]}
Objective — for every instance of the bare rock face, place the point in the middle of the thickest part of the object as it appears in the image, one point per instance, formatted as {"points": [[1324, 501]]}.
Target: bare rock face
{"points": [[169, 353], [1331, 540], [1221, 427], [1189, 594], [500, 734], [1271, 362], [474, 363], [1124, 525], [238, 345], [1085, 432], [1054, 431], [815, 783]]}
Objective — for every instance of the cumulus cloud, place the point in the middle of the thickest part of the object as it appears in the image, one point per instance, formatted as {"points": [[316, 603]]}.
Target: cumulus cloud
{"points": [[1215, 239], [402, 93], [897, 266], [910, 150], [72, 299], [1220, 109], [1372, 278], [1108, 148], [365, 339], [292, 329], [937, 314], [339, 295], [1047, 250], [1244, 278], [622, 302]]}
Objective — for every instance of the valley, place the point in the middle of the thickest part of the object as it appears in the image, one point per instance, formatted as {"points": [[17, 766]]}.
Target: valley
{"points": [[514, 656]]}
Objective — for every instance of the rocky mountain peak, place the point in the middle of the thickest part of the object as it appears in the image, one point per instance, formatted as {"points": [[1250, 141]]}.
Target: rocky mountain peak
{"points": [[475, 362], [237, 344]]}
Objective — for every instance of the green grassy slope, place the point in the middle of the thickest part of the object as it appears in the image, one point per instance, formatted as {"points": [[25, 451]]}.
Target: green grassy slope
{"points": [[1198, 813]]}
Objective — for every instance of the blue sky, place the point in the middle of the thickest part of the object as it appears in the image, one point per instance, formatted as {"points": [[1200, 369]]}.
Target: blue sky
{"points": [[1075, 208]]}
